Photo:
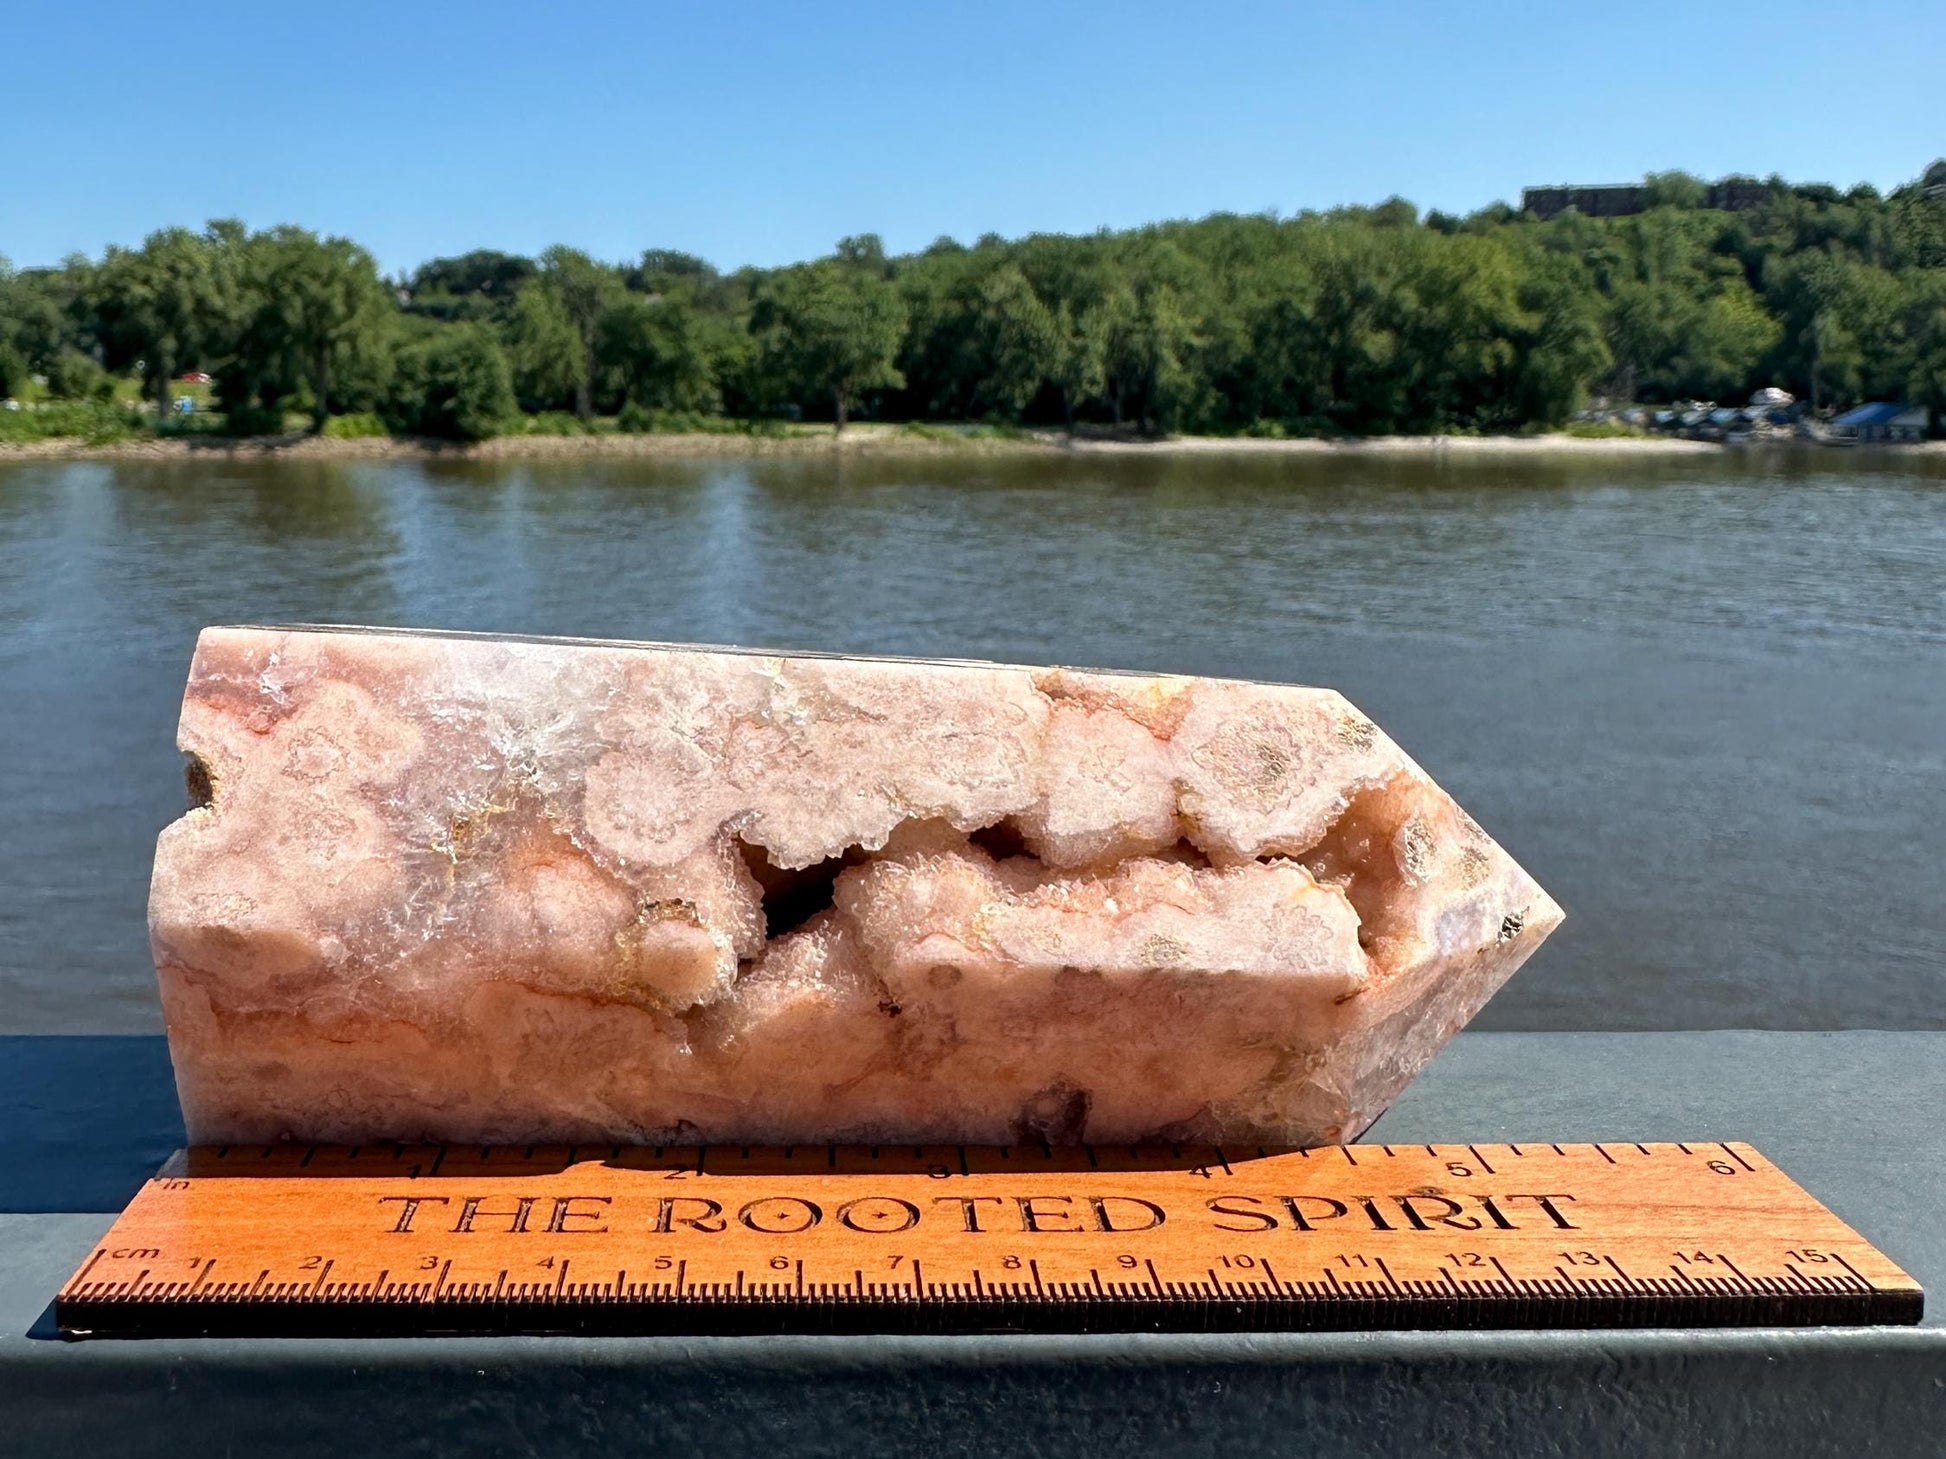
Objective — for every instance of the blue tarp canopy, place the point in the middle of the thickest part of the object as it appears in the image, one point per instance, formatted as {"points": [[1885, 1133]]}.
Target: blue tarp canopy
{"points": [[1876, 414]]}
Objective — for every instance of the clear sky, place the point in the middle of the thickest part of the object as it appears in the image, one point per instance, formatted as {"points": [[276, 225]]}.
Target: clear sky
{"points": [[761, 133]]}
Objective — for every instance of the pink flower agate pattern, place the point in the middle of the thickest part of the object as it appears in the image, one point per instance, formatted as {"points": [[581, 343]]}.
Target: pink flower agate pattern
{"points": [[447, 887]]}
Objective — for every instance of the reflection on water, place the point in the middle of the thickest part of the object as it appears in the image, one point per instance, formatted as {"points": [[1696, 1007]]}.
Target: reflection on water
{"points": [[1701, 698]]}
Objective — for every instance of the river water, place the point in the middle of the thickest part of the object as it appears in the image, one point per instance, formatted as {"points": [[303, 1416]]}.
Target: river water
{"points": [[1702, 699]]}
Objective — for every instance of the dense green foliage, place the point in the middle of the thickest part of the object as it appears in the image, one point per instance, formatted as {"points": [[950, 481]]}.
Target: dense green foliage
{"points": [[452, 382], [1356, 321], [87, 420]]}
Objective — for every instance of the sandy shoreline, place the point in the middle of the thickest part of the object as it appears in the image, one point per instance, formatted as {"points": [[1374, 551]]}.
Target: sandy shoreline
{"points": [[864, 440], [867, 440]]}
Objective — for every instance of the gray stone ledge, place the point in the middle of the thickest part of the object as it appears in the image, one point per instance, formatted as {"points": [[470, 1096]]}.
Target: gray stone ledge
{"points": [[1857, 1118]]}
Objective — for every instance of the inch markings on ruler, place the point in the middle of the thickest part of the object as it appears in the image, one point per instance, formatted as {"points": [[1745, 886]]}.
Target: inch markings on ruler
{"points": [[420, 1239]]}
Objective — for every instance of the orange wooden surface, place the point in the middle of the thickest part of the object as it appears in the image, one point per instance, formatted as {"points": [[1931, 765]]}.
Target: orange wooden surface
{"points": [[1363, 1235]]}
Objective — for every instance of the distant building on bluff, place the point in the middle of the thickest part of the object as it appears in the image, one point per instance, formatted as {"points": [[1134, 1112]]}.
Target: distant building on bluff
{"points": [[1604, 200], [1620, 200]]}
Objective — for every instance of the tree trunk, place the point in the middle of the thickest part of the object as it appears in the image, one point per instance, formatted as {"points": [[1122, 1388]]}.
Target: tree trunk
{"points": [[584, 391], [1067, 407], [162, 401], [839, 403], [321, 391]]}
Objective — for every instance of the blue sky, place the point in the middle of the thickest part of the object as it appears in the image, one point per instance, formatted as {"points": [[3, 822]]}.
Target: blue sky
{"points": [[760, 133]]}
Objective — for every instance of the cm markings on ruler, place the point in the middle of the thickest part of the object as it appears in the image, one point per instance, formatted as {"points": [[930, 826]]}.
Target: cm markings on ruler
{"points": [[445, 1238]]}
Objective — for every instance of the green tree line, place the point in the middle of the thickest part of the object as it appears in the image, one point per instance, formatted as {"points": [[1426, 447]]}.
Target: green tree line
{"points": [[1362, 320]]}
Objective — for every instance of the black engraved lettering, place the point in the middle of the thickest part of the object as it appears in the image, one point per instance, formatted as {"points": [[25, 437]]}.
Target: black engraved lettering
{"points": [[1494, 1211], [1449, 1217], [1146, 1218], [1546, 1203], [969, 1209], [781, 1215], [564, 1212], [408, 1208], [878, 1215], [1265, 1221], [1334, 1208], [667, 1217], [1032, 1214], [516, 1218]]}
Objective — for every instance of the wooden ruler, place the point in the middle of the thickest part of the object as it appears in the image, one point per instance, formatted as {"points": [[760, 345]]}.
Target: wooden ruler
{"points": [[438, 1239]]}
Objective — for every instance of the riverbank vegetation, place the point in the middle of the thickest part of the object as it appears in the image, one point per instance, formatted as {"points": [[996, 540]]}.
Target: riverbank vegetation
{"points": [[1354, 322]]}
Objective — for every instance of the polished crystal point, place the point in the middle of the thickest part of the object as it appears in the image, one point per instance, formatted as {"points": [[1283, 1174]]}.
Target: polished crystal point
{"points": [[464, 888]]}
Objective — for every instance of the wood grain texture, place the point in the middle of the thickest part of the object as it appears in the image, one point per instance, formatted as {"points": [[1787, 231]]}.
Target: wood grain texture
{"points": [[427, 1239]]}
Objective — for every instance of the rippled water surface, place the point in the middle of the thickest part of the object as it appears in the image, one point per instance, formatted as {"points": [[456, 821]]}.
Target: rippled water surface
{"points": [[1702, 699]]}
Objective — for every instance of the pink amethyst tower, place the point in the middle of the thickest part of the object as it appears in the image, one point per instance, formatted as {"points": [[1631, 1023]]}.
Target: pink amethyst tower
{"points": [[439, 886]]}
